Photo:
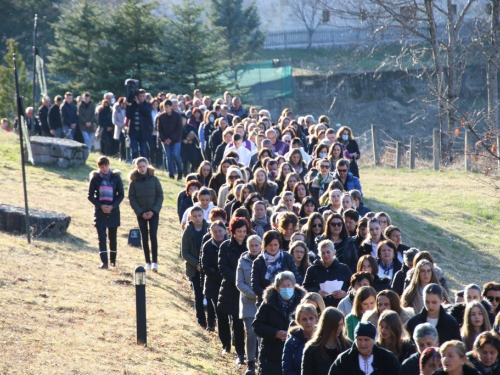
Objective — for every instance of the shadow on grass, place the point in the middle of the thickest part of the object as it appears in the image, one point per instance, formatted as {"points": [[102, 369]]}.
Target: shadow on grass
{"points": [[79, 173], [188, 365], [453, 253], [77, 244]]}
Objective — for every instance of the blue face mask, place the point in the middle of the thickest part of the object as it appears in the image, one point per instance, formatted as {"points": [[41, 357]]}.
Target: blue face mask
{"points": [[211, 119], [345, 137], [286, 293], [322, 155]]}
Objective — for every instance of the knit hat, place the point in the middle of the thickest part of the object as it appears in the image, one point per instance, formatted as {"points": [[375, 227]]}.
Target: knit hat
{"points": [[365, 329]]}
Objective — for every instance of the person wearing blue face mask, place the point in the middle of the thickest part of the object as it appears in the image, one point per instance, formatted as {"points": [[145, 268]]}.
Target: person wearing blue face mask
{"points": [[351, 148], [273, 319]]}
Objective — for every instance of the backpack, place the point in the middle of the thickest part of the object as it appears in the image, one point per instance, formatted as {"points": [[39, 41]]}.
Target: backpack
{"points": [[134, 238]]}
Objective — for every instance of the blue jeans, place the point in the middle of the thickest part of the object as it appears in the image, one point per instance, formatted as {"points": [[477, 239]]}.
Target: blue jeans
{"points": [[139, 145], [59, 133], [173, 154], [88, 138], [68, 132]]}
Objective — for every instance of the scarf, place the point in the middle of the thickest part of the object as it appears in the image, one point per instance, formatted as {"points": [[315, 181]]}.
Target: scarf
{"points": [[386, 269], [105, 189], [259, 224], [285, 305], [274, 265], [487, 370], [322, 181]]}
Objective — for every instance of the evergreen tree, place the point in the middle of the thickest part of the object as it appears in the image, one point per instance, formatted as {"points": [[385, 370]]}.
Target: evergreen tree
{"points": [[133, 41], [193, 59], [241, 30], [77, 47], [8, 105]]}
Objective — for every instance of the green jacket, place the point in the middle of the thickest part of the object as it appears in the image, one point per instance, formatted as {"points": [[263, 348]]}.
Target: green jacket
{"points": [[350, 323], [86, 114], [145, 192], [190, 252]]}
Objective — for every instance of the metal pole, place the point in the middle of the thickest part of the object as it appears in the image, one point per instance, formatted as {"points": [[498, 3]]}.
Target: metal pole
{"points": [[19, 115], [34, 72], [375, 145], [140, 305], [399, 149], [467, 151], [412, 152], [436, 137]]}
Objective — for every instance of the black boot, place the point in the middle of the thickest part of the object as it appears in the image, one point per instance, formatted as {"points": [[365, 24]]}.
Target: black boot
{"points": [[250, 368], [104, 260], [112, 258]]}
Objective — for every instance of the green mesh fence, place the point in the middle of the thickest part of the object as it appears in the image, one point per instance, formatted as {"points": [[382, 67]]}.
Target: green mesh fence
{"points": [[264, 81]]}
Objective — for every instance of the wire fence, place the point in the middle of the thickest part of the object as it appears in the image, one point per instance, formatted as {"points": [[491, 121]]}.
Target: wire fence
{"points": [[475, 157], [354, 37]]}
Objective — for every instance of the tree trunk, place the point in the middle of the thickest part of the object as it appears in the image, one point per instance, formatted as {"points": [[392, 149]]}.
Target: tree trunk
{"points": [[492, 69], [310, 33], [438, 65]]}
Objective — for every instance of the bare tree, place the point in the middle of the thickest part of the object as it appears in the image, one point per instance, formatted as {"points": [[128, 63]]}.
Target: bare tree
{"points": [[493, 54], [309, 12], [417, 22]]}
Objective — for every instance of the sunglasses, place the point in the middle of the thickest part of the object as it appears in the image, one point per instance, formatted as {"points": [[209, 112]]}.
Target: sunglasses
{"points": [[335, 224], [491, 299], [325, 167], [233, 177], [317, 225], [342, 170]]}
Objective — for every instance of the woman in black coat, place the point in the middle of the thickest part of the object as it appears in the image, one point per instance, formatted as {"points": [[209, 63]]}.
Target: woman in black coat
{"points": [[387, 260], [328, 268], [190, 148], [485, 354], [345, 137], [273, 319], [106, 194], [229, 295], [106, 123], [270, 263], [209, 264]]}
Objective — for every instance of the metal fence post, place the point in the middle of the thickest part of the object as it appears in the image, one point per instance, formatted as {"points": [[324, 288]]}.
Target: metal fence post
{"points": [[412, 152], [399, 148], [436, 148], [375, 145], [467, 153]]}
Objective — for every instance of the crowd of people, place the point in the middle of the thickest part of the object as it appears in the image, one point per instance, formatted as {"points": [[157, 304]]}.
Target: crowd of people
{"points": [[287, 265]]}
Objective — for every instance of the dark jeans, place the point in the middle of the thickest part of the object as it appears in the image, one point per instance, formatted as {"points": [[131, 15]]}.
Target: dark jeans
{"points": [[155, 152], [190, 167], [123, 153], [211, 311], [196, 284], [153, 232], [108, 143], [139, 145], [103, 250], [225, 323]]}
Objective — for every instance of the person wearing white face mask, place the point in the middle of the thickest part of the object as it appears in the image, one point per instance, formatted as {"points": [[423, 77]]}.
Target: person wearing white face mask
{"points": [[345, 137], [273, 319]]}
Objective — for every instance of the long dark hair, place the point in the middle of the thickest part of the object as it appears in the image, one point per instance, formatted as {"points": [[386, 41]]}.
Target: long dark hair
{"points": [[305, 201], [328, 232]]}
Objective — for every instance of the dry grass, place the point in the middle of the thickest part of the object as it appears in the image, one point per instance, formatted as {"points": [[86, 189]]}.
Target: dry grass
{"points": [[59, 314]]}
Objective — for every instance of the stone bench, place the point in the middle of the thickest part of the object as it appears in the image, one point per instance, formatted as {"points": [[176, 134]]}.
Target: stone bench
{"points": [[43, 223], [62, 152]]}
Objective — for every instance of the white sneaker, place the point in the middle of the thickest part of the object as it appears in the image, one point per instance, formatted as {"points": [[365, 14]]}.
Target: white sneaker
{"points": [[148, 266], [155, 267]]}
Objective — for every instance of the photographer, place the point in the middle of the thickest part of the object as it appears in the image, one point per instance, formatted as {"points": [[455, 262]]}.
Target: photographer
{"points": [[141, 124]]}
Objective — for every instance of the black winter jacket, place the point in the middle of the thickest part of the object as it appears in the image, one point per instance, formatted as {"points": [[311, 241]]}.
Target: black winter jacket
{"points": [[145, 192], [398, 282], [270, 319], [209, 264], [54, 117], [229, 296], [318, 274], [313, 361], [447, 326], [259, 269], [384, 362], [477, 365], [69, 113], [458, 311], [145, 126], [411, 366], [111, 220], [346, 252], [467, 370]]}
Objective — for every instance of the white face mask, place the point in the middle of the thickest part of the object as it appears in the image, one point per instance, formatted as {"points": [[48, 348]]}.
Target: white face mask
{"points": [[113, 100], [322, 155]]}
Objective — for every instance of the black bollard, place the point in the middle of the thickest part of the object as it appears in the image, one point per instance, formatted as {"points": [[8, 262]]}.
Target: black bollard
{"points": [[140, 304]]}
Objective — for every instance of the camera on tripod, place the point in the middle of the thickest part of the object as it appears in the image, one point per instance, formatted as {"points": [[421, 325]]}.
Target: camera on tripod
{"points": [[131, 89]]}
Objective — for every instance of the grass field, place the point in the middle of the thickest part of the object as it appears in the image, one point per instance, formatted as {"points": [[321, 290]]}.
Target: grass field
{"points": [[59, 314]]}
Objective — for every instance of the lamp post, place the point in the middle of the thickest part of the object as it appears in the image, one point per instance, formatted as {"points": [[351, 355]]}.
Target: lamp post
{"points": [[140, 304]]}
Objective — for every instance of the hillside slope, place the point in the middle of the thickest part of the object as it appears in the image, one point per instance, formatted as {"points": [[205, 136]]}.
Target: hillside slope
{"points": [[59, 314]]}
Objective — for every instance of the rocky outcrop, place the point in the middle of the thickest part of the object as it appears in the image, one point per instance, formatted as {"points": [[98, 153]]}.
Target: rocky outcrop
{"points": [[63, 152], [42, 223]]}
